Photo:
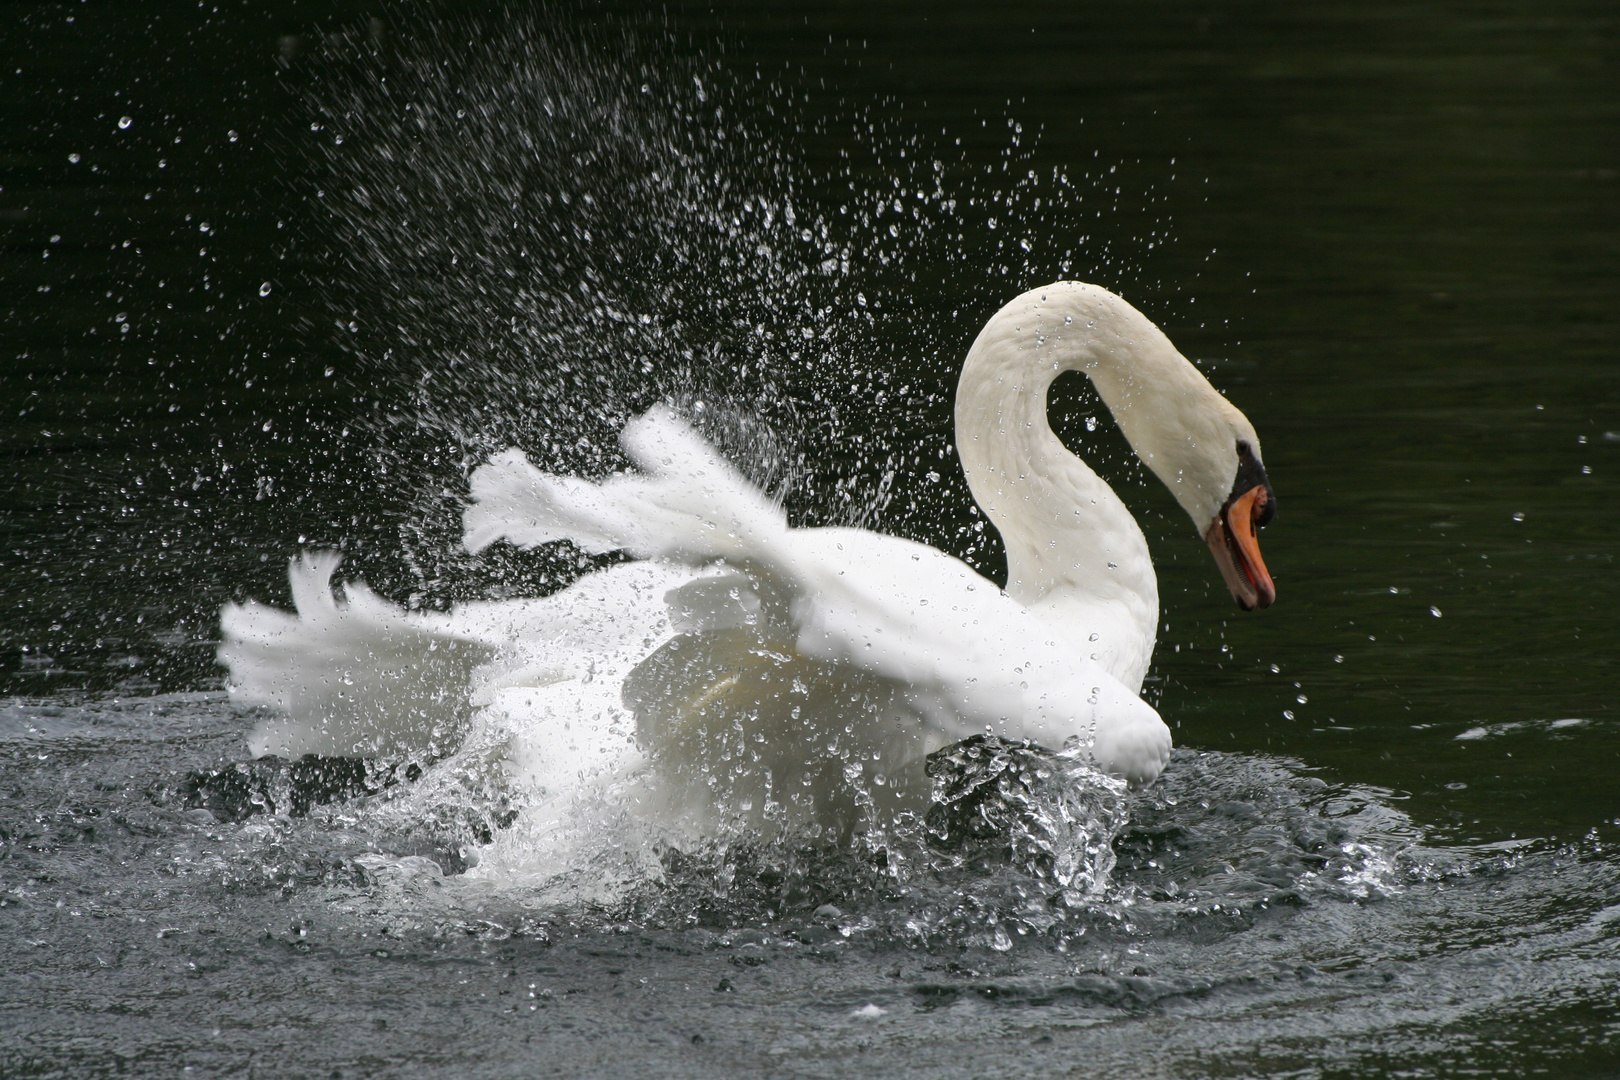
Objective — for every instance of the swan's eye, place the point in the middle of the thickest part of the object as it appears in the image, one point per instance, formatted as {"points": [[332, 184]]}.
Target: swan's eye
{"points": [[1250, 475], [1265, 507]]}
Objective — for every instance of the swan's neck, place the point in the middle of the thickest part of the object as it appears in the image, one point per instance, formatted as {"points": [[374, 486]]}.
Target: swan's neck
{"points": [[1073, 550]]}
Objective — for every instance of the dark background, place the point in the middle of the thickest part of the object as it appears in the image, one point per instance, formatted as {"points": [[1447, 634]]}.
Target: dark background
{"points": [[1388, 230]]}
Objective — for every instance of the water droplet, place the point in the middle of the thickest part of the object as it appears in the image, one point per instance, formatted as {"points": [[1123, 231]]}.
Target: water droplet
{"points": [[74, 158], [1519, 516], [264, 290], [124, 122], [1435, 612], [1288, 714], [1302, 699], [1001, 942], [1275, 669], [233, 136]]}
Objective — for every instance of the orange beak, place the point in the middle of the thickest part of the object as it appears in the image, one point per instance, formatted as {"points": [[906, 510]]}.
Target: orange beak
{"points": [[1233, 541]]}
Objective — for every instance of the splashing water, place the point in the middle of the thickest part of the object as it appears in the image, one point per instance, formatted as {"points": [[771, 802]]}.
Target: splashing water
{"points": [[1014, 836], [1016, 840], [1054, 816], [538, 233]]}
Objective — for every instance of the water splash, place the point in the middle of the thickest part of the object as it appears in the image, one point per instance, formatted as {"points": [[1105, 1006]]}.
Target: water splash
{"points": [[1053, 816], [539, 226], [1017, 841]]}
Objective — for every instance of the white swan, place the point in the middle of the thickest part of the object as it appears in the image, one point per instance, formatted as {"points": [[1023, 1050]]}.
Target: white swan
{"points": [[782, 675]]}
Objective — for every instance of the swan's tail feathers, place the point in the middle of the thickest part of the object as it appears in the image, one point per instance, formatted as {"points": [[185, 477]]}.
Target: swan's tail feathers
{"points": [[686, 503], [352, 678]]}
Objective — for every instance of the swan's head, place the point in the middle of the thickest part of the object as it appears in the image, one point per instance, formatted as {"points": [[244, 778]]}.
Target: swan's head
{"points": [[1208, 455]]}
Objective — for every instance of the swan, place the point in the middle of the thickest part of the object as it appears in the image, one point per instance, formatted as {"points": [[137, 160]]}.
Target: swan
{"points": [[791, 677]]}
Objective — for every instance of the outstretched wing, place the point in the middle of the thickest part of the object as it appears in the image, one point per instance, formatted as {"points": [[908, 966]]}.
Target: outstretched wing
{"points": [[687, 503]]}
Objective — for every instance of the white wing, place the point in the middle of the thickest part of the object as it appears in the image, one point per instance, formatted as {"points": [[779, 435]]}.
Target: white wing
{"points": [[790, 641], [687, 503], [956, 652]]}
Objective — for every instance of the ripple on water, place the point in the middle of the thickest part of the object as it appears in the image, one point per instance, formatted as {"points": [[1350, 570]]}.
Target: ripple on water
{"points": [[1245, 888]]}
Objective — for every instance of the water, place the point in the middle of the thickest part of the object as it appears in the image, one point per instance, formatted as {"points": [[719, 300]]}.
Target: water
{"points": [[1387, 233]]}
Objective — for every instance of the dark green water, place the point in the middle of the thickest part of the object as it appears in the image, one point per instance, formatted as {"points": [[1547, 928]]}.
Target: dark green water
{"points": [[1390, 232]]}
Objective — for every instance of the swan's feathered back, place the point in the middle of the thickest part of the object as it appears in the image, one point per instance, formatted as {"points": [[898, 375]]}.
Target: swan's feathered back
{"points": [[955, 652]]}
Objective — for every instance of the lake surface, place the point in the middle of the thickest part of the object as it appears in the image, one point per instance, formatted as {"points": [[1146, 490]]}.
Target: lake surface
{"points": [[337, 255]]}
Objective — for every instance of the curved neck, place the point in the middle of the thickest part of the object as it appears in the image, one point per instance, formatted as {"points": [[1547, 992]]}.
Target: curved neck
{"points": [[1073, 550], [1063, 526]]}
